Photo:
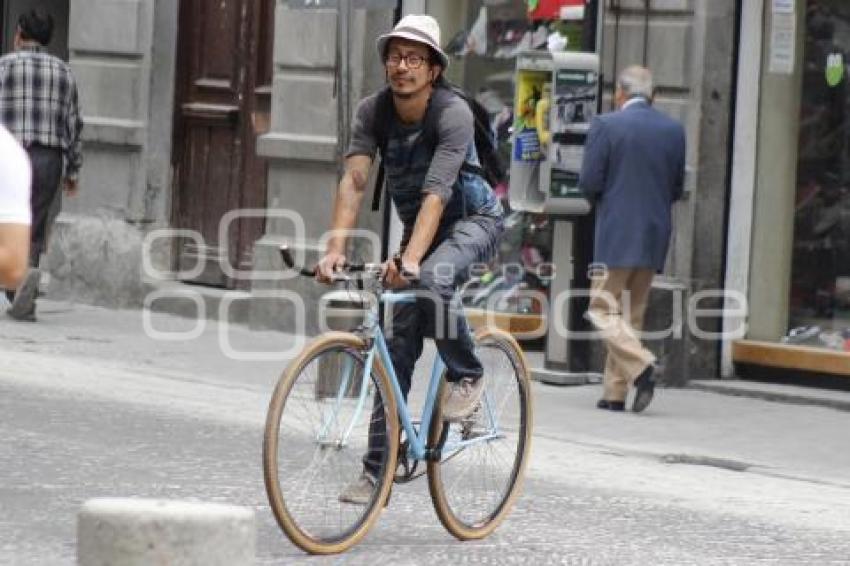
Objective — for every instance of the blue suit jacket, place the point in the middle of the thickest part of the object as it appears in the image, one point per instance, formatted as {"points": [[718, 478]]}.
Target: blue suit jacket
{"points": [[633, 170]]}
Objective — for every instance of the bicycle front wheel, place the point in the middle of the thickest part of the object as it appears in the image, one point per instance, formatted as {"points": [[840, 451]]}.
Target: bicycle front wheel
{"points": [[318, 427], [475, 483]]}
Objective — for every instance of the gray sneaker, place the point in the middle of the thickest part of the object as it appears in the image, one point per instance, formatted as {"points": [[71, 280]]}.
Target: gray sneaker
{"points": [[461, 398], [23, 306], [359, 491]]}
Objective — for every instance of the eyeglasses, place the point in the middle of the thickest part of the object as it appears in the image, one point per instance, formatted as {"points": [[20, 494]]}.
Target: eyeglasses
{"points": [[413, 61]]}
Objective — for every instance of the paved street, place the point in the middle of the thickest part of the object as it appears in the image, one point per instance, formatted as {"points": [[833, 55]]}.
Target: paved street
{"points": [[92, 407]]}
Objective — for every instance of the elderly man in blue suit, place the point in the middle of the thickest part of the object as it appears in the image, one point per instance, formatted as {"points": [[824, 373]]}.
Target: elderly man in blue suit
{"points": [[633, 171]]}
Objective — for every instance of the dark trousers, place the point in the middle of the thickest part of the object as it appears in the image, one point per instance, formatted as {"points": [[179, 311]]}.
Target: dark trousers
{"points": [[437, 314], [46, 176]]}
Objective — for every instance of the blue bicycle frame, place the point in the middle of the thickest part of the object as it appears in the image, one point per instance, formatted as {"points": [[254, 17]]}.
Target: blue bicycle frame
{"points": [[417, 439]]}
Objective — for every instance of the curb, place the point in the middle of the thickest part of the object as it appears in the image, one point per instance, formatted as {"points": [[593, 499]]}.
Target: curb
{"points": [[788, 397], [138, 532]]}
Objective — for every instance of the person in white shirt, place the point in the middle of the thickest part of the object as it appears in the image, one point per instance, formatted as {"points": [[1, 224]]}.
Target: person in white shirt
{"points": [[15, 211]]}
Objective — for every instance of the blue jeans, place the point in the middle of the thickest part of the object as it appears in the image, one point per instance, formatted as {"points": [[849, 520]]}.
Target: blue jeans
{"points": [[437, 313]]}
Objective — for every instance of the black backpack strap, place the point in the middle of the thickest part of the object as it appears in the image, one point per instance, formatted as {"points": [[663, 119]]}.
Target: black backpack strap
{"points": [[475, 169], [384, 111], [381, 131], [379, 189]]}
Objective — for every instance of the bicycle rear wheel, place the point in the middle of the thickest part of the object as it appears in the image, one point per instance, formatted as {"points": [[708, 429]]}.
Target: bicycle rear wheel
{"points": [[473, 487], [317, 432]]}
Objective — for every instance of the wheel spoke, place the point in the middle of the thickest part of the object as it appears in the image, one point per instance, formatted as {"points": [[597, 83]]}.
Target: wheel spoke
{"points": [[314, 462], [471, 486]]}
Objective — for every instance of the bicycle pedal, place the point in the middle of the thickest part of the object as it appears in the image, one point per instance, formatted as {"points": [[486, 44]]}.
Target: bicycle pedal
{"points": [[471, 418], [474, 433]]}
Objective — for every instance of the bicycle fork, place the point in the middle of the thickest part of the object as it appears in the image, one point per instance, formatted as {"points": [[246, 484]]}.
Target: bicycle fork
{"points": [[332, 418]]}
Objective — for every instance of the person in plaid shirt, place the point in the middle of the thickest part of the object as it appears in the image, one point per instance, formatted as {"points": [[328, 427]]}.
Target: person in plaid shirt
{"points": [[39, 106]]}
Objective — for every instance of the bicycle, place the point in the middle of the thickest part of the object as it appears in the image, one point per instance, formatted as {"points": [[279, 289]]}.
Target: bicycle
{"points": [[320, 418]]}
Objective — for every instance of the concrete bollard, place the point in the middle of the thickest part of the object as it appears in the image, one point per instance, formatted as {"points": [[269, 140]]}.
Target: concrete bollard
{"points": [[143, 532]]}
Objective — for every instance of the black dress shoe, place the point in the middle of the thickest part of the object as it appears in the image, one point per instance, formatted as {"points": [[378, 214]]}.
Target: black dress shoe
{"points": [[611, 405], [644, 389], [23, 303]]}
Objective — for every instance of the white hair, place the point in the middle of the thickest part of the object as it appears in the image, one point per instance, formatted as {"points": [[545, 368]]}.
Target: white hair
{"points": [[636, 81]]}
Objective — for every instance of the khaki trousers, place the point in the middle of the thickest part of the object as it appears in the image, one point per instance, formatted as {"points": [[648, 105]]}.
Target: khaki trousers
{"points": [[617, 307]]}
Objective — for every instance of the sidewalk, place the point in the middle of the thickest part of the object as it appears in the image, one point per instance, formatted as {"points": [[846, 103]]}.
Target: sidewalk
{"points": [[764, 428], [691, 426], [793, 394]]}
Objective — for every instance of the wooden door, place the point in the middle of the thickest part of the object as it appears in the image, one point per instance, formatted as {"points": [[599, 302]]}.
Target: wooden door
{"points": [[222, 105]]}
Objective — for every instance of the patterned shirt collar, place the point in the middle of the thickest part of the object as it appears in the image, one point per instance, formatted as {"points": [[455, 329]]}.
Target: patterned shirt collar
{"points": [[33, 48]]}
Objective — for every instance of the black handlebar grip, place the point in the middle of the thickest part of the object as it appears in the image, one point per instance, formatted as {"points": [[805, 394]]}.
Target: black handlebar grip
{"points": [[286, 256]]}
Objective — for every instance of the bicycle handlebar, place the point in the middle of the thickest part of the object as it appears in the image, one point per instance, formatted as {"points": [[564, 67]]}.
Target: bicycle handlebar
{"points": [[288, 261]]}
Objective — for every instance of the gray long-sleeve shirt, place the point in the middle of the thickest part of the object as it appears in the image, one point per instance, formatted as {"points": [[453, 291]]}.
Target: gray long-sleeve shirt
{"points": [[413, 170]]}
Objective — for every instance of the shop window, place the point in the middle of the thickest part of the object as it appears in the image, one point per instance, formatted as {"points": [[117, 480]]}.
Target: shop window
{"points": [[483, 38], [820, 280]]}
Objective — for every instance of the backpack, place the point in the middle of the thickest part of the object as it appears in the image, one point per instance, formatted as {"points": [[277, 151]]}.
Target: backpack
{"points": [[491, 170]]}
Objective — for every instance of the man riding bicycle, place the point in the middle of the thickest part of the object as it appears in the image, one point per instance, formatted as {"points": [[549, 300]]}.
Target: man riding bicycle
{"points": [[451, 217]]}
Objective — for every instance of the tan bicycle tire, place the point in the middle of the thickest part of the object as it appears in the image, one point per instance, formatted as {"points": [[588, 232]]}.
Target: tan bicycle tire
{"points": [[270, 447], [447, 517]]}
